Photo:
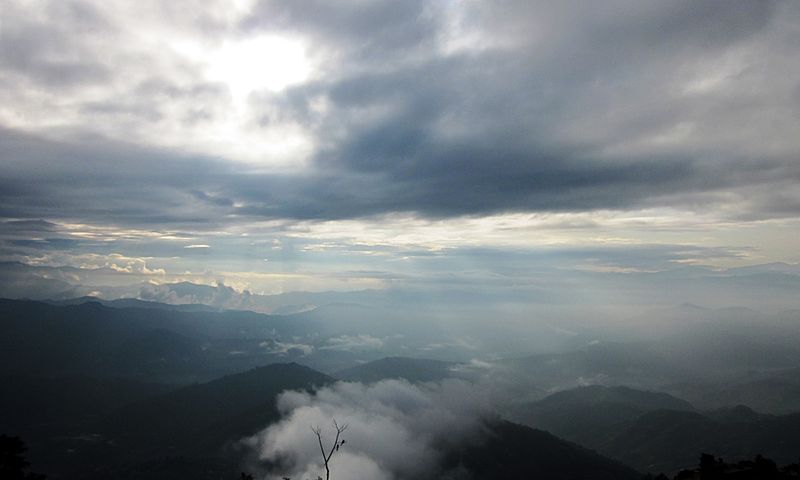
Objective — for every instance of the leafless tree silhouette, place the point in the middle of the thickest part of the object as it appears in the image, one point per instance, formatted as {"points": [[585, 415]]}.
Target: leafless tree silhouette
{"points": [[337, 443]]}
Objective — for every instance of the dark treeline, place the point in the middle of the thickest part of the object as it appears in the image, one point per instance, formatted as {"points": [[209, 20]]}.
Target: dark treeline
{"points": [[713, 468], [13, 464]]}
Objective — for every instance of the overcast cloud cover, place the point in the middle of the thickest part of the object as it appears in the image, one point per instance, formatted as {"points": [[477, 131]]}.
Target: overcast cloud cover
{"points": [[308, 145]]}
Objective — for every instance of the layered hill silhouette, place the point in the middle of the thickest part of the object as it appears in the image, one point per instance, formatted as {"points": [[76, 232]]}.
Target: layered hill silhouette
{"points": [[131, 389], [511, 451], [180, 421], [656, 432], [192, 432], [178, 428], [668, 440], [592, 414]]}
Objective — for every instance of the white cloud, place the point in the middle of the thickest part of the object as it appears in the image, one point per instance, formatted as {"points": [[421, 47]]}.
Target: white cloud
{"points": [[395, 429], [353, 342], [275, 346], [149, 73]]}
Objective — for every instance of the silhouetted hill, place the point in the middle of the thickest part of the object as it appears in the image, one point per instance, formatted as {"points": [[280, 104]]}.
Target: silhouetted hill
{"points": [[657, 432], [511, 451], [184, 434], [173, 421], [33, 407], [411, 369], [669, 440], [589, 415], [135, 314], [180, 429], [597, 394], [505, 451]]}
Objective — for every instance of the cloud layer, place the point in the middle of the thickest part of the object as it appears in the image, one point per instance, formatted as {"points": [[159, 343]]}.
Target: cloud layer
{"points": [[442, 109]]}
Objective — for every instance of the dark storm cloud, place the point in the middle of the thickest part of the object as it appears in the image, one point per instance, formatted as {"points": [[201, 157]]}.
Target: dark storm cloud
{"points": [[620, 28], [19, 237], [28, 227], [47, 243], [368, 31], [99, 180], [119, 184], [477, 132]]}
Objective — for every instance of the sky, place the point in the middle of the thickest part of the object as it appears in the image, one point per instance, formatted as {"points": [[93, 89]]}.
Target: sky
{"points": [[553, 150]]}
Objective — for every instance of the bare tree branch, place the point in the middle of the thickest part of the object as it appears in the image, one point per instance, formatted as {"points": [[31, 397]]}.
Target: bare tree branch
{"points": [[326, 458]]}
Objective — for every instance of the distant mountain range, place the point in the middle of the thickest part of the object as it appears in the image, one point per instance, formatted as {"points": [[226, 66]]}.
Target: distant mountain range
{"points": [[589, 415], [133, 389], [134, 303], [174, 344]]}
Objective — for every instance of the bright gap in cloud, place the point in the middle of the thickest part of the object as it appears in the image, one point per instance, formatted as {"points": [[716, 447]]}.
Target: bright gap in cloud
{"points": [[264, 62]]}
